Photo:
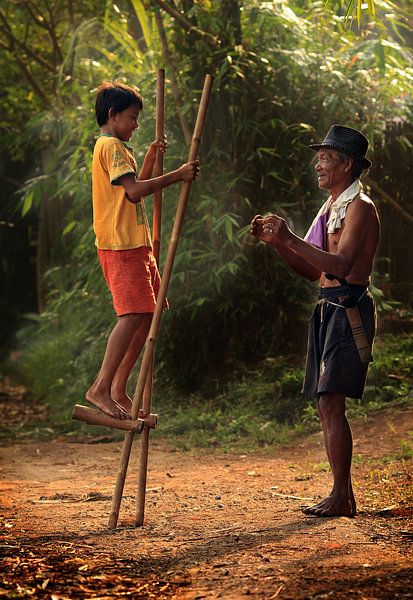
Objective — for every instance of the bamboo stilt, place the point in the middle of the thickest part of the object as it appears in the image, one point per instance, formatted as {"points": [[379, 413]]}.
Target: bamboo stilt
{"points": [[176, 232], [160, 131], [166, 275], [156, 229], [97, 417], [147, 396]]}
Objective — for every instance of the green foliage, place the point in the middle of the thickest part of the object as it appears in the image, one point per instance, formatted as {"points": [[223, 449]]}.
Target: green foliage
{"points": [[192, 427], [61, 349], [406, 452], [265, 407], [282, 72], [261, 408], [390, 375]]}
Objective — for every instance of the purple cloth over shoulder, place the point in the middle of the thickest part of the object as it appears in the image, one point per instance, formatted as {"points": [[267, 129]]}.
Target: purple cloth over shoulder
{"points": [[317, 234]]}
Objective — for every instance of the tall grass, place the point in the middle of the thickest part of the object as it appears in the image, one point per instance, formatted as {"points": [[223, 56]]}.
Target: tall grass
{"points": [[255, 409]]}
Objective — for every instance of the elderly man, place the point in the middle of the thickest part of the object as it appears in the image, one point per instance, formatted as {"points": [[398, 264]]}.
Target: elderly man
{"points": [[338, 250]]}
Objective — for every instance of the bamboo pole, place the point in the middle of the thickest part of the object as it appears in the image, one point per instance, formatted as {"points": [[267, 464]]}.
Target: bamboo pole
{"points": [[166, 275], [160, 131], [138, 401], [156, 234]]}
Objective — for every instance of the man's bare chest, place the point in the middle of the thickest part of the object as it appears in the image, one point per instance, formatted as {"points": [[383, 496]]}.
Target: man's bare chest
{"points": [[333, 239]]}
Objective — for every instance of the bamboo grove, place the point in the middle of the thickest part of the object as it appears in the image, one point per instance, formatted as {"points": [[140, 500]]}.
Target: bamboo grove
{"points": [[284, 72]]}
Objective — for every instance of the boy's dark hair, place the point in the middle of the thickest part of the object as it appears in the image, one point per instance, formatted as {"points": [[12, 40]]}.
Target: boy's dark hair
{"points": [[116, 95]]}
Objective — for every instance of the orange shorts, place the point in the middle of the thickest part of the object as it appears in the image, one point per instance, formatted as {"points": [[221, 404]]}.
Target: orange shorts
{"points": [[133, 279]]}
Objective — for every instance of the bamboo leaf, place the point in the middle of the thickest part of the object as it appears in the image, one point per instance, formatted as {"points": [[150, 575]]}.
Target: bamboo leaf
{"points": [[69, 227], [228, 229], [27, 203], [144, 21], [371, 7], [379, 50]]}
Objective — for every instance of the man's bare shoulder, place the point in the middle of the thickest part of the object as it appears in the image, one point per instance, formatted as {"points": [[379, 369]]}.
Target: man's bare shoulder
{"points": [[362, 212], [362, 204], [362, 197]]}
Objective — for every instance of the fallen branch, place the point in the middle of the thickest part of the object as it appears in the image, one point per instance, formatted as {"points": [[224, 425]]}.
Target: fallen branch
{"points": [[186, 25], [406, 216]]}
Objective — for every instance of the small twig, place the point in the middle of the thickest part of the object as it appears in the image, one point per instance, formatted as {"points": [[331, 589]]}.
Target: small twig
{"points": [[74, 544], [208, 537], [362, 543], [277, 592], [290, 496]]}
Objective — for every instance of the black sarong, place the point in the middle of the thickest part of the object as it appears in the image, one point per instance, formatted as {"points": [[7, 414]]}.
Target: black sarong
{"points": [[333, 363]]}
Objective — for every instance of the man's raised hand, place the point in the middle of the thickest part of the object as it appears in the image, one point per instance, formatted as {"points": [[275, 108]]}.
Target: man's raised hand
{"points": [[270, 229], [256, 224]]}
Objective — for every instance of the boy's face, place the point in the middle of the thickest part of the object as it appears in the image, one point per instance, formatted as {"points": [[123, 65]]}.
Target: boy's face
{"points": [[124, 123]]}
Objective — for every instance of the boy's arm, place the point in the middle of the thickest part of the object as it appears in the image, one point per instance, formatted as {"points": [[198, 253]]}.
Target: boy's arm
{"points": [[150, 156], [137, 188]]}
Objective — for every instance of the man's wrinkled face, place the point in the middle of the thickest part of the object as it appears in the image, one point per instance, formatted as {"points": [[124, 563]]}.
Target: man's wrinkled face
{"points": [[331, 168]]}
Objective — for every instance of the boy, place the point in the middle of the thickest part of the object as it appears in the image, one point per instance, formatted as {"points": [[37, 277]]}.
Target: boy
{"points": [[123, 238]]}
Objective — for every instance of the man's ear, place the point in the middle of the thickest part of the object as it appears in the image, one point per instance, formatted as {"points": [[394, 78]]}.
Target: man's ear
{"points": [[349, 164], [111, 113]]}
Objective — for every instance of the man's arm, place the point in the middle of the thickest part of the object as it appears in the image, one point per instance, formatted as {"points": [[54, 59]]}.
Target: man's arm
{"points": [[350, 246], [298, 264], [293, 260]]}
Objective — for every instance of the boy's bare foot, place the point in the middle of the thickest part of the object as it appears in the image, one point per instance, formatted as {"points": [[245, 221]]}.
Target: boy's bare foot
{"points": [[332, 506], [105, 403], [121, 399]]}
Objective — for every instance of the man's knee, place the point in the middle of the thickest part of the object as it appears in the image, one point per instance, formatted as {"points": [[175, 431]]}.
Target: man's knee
{"points": [[331, 405]]}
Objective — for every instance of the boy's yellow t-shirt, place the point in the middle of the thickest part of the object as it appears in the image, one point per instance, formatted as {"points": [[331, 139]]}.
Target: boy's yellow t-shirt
{"points": [[118, 223]]}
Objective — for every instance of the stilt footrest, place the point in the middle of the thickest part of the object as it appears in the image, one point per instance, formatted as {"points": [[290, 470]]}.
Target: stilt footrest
{"points": [[96, 417]]}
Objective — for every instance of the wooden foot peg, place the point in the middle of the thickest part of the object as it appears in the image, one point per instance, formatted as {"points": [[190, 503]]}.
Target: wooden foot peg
{"points": [[96, 417]]}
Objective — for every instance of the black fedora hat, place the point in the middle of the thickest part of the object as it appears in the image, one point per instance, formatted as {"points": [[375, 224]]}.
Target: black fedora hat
{"points": [[347, 140]]}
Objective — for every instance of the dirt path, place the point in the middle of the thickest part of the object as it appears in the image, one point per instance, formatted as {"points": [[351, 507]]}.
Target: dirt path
{"points": [[216, 526]]}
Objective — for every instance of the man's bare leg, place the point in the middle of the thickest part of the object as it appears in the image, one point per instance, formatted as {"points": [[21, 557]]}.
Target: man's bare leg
{"points": [[326, 445], [309, 510], [120, 380], [117, 346], [339, 445]]}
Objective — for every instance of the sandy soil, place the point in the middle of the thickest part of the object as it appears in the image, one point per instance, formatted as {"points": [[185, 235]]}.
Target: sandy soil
{"points": [[216, 526]]}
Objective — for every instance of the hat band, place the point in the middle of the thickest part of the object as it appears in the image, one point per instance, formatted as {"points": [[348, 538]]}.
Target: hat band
{"points": [[345, 149]]}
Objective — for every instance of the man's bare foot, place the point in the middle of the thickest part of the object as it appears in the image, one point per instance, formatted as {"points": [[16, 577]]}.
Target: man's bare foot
{"points": [[105, 403], [353, 503], [122, 400], [332, 506]]}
